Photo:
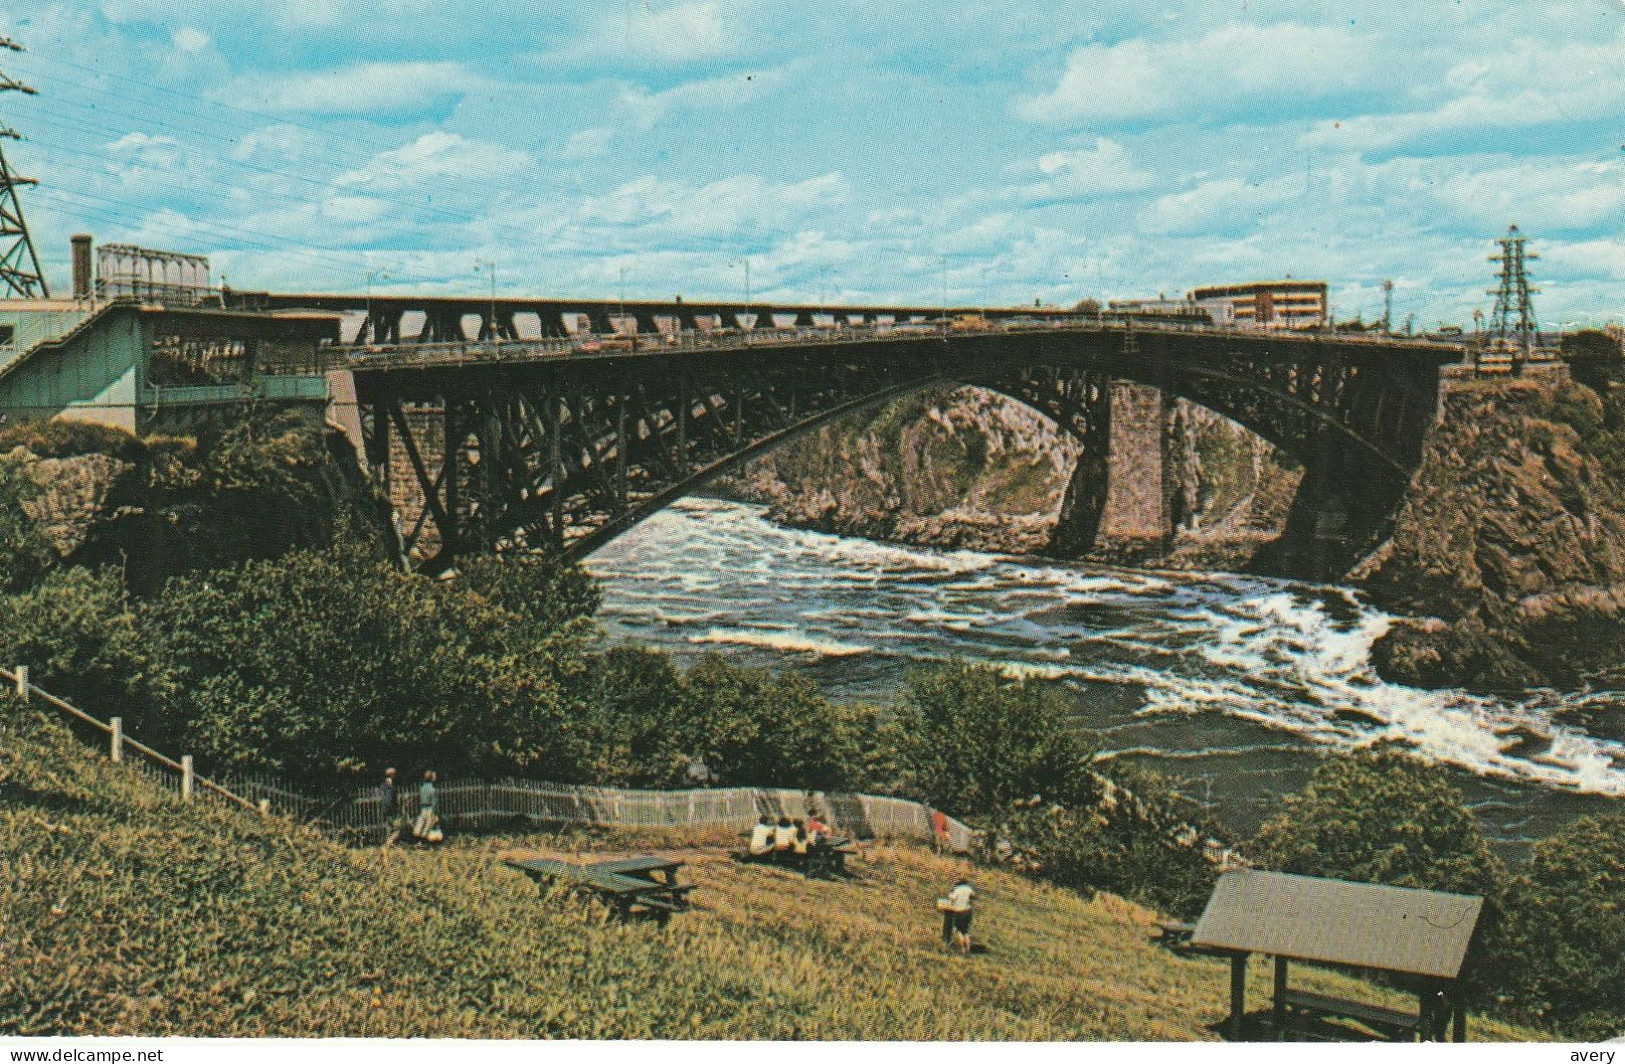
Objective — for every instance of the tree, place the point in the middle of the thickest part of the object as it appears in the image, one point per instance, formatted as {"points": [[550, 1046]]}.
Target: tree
{"points": [[751, 728], [633, 705], [1561, 958], [81, 640], [1382, 816], [322, 665], [973, 742], [25, 553]]}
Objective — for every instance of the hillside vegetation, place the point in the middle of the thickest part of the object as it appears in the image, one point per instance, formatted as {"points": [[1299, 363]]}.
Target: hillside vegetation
{"points": [[127, 913]]}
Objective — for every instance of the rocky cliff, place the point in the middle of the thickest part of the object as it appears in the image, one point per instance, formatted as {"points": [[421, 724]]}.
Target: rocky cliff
{"points": [[1510, 548], [78, 494], [963, 467]]}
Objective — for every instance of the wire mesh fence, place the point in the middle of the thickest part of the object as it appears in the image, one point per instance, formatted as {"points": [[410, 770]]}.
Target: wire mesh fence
{"points": [[358, 812]]}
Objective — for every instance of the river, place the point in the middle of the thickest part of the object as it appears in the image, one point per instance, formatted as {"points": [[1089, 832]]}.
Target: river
{"points": [[1233, 684]]}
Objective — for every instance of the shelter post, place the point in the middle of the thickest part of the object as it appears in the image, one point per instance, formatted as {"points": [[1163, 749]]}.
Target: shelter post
{"points": [[1238, 994], [1279, 1015]]}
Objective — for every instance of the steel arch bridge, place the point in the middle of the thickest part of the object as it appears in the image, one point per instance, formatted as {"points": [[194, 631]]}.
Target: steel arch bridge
{"points": [[549, 443]]}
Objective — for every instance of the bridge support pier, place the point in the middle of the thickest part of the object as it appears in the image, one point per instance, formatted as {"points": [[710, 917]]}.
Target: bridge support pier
{"points": [[1122, 494]]}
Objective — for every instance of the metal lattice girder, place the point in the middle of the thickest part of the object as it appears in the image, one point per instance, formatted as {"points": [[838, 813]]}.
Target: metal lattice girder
{"points": [[571, 451], [20, 273]]}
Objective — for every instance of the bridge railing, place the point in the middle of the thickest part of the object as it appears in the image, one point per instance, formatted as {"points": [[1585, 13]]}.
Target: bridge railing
{"points": [[479, 352]]}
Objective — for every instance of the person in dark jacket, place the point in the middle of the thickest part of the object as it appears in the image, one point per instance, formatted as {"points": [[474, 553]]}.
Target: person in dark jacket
{"points": [[389, 808]]}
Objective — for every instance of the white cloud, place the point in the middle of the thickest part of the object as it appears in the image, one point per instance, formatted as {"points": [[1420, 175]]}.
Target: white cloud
{"points": [[190, 39], [1538, 195], [725, 92], [683, 33], [1226, 205], [145, 148], [436, 156], [1104, 168], [367, 88], [741, 204], [1232, 68], [1527, 83], [588, 143]]}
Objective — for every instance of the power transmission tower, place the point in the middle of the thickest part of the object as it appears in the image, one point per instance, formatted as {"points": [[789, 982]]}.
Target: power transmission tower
{"points": [[1512, 300], [20, 273], [1388, 307]]}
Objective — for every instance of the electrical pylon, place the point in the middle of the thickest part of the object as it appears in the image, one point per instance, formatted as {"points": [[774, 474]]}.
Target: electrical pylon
{"points": [[1512, 300], [20, 273]]}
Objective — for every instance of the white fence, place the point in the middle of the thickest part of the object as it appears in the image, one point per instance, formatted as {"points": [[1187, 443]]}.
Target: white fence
{"points": [[473, 803]]}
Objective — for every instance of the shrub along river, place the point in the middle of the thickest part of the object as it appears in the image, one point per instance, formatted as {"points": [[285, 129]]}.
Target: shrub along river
{"points": [[1233, 684]]}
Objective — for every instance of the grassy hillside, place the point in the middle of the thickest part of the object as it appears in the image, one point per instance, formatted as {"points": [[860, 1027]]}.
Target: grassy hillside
{"points": [[126, 913]]}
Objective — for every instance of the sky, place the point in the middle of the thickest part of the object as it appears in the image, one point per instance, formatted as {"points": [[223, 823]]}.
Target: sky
{"points": [[986, 152]]}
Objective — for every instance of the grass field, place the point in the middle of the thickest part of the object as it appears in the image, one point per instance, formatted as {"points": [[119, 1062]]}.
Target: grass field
{"points": [[124, 912]]}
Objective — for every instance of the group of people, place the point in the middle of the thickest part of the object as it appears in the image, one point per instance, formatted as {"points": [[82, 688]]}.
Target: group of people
{"points": [[426, 828], [786, 836]]}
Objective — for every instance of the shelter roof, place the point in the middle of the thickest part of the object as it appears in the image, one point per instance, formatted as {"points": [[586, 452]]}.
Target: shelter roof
{"points": [[1367, 925]]}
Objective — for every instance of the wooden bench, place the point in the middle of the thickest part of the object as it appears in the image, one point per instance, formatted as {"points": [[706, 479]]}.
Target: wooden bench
{"points": [[1393, 1024], [1174, 934], [629, 886]]}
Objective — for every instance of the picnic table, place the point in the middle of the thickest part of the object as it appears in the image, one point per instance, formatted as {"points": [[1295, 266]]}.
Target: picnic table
{"points": [[632, 886], [1395, 1025], [825, 859]]}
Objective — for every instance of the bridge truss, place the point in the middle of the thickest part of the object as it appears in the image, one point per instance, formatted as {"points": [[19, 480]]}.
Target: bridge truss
{"points": [[543, 445]]}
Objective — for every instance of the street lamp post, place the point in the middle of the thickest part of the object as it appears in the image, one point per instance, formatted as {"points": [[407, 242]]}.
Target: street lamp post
{"points": [[369, 329], [490, 267]]}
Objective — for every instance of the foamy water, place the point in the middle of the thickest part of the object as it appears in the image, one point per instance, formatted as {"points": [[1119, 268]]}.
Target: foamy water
{"points": [[1231, 681]]}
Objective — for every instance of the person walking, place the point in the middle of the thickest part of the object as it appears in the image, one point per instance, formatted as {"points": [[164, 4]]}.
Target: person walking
{"points": [[957, 909], [427, 827], [389, 808]]}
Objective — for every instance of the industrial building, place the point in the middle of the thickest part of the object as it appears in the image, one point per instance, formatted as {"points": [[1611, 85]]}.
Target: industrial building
{"points": [[145, 344], [1284, 304]]}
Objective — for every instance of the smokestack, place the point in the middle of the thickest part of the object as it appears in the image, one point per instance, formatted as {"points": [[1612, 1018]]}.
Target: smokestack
{"points": [[82, 279]]}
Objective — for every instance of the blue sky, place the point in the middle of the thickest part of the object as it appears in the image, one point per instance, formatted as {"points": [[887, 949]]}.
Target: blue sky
{"points": [[882, 151]]}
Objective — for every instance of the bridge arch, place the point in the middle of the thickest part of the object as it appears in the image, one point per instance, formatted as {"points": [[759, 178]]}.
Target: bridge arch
{"points": [[570, 452]]}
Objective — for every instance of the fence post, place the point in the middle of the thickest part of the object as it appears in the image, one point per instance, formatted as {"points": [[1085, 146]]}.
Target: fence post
{"points": [[117, 752], [22, 682], [186, 777]]}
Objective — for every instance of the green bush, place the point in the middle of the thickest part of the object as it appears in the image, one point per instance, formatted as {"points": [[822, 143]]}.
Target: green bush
{"points": [[973, 742], [1140, 844], [1382, 816], [753, 728], [82, 640], [1561, 956], [25, 553], [323, 665]]}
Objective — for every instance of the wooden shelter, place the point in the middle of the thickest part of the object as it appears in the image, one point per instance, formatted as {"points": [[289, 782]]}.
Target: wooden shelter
{"points": [[1421, 934]]}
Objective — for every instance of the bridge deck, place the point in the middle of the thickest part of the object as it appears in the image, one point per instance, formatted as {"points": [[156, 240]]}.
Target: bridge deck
{"points": [[646, 346]]}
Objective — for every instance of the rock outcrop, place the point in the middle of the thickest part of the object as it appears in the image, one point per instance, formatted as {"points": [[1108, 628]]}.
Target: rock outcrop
{"points": [[967, 468], [77, 494], [1510, 548]]}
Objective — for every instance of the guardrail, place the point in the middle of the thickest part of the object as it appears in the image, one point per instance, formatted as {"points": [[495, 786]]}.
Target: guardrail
{"points": [[179, 774], [488, 351]]}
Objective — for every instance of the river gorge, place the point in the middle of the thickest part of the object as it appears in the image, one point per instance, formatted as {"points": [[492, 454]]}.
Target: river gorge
{"points": [[1233, 684]]}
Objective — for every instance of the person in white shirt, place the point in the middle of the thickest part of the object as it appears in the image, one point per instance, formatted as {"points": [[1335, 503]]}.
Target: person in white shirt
{"points": [[956, 917], [784, 835], [761, 837]]}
